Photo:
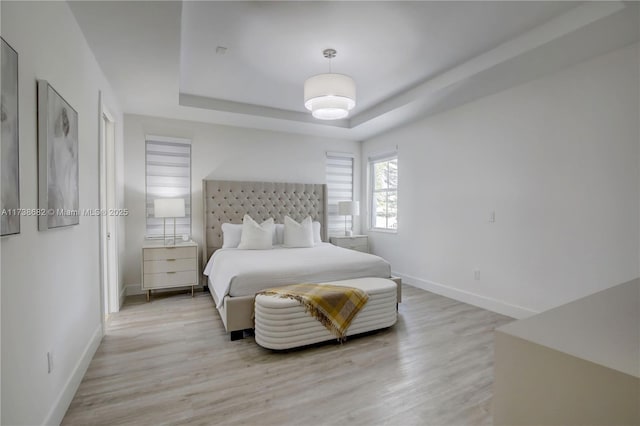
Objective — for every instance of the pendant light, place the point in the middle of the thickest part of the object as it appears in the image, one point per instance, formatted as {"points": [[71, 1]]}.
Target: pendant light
{"points": [[329, 96]]}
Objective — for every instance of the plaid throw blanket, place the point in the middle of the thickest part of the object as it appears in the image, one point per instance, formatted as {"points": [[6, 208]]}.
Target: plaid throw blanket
{"points": [[334, 306]]}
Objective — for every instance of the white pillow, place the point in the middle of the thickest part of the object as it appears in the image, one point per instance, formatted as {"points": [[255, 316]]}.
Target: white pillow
{"points": [[298, 234], [279, 238], [254, 236], [231, 233], [317, 238]]}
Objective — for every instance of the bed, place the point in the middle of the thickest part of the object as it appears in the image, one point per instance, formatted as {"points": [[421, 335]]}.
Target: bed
{"points": [[234, 276]]}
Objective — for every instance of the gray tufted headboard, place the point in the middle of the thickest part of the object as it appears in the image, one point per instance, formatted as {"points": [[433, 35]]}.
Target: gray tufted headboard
{"points": [[229, 201]]}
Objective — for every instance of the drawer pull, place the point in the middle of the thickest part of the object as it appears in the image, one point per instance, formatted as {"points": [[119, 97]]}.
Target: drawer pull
{"points": [[171, 272], [170, 260]]}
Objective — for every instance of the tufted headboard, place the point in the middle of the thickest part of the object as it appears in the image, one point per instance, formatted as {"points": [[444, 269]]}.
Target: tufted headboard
{"points": [[228, 201]]}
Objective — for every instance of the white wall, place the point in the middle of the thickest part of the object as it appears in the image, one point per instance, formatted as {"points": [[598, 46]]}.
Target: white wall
{"points": [[50, 280], [219, 152], [556, 158]]}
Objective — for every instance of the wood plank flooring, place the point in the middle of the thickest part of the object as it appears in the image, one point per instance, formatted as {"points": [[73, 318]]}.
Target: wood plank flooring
{"points": [[171, 362]]}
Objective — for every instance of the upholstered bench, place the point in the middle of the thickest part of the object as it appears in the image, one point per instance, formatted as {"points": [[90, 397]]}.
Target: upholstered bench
{"points": [[282, 323]]}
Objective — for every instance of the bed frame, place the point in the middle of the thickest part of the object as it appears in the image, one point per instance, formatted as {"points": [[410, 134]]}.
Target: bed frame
{"points": [[229, 201]]}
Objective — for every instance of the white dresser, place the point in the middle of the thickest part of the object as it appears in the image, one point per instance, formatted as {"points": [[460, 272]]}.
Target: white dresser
{"points": [[169, 266], [355, 242]]}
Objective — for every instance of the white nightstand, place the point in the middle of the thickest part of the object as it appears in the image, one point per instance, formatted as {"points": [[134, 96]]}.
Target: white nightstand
{"points": [[355, 242], [169, 266]]}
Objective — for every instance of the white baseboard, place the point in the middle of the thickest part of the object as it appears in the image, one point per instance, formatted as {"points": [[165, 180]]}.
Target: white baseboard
{"points": [[494, 305], [123, 294], [136, 289], [60, 406], [133, 289]]}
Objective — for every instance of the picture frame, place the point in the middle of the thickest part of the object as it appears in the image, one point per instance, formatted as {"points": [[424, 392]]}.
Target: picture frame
{"points": [[10, 146], [58, 161]]}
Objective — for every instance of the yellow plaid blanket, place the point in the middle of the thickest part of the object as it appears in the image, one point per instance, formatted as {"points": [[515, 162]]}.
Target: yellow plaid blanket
{"points": [[334, 306]]}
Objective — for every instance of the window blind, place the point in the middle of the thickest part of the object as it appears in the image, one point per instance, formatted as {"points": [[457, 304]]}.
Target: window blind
{"points": [[168, 175], [339, 188]]}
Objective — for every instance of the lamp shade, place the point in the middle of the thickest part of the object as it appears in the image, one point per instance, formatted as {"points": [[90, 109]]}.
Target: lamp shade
{"points": [[348, 208], [330, 96], [168, 207]]}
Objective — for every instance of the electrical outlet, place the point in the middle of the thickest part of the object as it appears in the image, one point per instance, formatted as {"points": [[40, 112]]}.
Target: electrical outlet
{"points": [[492, 216], [476, 274], [49, 362]]}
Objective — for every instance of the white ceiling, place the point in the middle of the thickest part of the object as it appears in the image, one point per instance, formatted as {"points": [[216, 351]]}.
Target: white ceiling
{"points": [[408, 58], [386, 47]]}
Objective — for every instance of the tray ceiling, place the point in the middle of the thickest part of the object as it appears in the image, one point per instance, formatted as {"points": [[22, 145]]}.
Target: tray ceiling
{"points": [[407, 58]]}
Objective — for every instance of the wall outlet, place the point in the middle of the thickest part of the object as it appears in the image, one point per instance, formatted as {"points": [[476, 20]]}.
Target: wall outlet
{"points": [[476, 274], [49, 362], [492, 216]]}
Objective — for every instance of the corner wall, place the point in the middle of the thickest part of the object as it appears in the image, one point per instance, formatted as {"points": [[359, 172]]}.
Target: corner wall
{"points": [[50, 279], [220, 152], [555, 158]]}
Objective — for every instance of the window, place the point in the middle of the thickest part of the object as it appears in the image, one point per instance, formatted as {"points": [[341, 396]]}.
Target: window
{"points": [[339, 188], [384, 192], [168, 175]]}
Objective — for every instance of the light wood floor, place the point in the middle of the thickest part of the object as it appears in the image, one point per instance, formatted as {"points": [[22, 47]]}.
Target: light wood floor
{"points": [[170, 362]]}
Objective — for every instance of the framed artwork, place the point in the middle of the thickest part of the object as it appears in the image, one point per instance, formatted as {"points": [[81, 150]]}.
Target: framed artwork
{"points": [[58, 183], [10, 167]]}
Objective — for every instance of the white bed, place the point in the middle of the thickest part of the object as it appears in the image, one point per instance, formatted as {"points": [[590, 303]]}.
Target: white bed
{"points": [[234, 276], [235, 273]]}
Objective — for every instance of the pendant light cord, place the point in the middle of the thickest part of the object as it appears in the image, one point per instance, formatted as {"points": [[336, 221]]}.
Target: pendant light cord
{"points": [[329, 54]]}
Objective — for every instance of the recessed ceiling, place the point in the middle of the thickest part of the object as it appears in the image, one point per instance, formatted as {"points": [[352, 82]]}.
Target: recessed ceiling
{"points": [[386, 47], [405, 57]]}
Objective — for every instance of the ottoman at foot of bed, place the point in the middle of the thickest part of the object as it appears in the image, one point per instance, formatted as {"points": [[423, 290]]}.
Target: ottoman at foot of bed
{"points": [[284, 324]]}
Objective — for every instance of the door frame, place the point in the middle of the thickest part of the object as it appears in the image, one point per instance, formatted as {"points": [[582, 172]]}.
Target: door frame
{"points": [[109, 282]]}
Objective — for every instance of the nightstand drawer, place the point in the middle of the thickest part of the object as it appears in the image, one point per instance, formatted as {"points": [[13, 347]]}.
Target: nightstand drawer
{"points": [[352, 243], [170, 279], [359, 243], [170, 265], [358, 247], [170, 253]]}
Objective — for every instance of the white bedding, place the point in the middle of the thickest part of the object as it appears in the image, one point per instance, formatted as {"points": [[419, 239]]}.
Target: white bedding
{"points": [[237, 272]]}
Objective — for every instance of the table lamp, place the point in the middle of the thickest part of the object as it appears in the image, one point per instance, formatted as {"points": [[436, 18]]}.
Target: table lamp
{"points": [[348, 208], [169, 207]]}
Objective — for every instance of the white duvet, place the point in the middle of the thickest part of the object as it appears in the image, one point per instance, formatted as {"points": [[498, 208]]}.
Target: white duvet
{"points": [[237, 272]]}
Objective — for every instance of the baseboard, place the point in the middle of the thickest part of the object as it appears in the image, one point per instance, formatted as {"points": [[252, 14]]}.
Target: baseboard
{"points": [[136, 289], [123, 294], [60, 406], [488, 303], [133, 289]]}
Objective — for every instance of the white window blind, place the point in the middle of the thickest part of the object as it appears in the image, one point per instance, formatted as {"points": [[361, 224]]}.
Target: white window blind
{"points": [[168, 175], [339, 188]]}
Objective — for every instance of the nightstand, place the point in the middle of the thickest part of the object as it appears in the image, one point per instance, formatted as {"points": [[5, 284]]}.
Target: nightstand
{"points": [[169, 266], [355, 242]]}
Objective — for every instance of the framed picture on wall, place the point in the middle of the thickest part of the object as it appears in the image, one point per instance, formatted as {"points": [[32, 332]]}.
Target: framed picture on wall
{"points": [[10, 184], [58, 180]]}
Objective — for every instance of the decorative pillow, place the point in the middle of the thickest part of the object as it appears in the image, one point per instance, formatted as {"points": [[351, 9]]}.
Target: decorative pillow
{"points": [[231, 233], [298, 234], [255, 236], [279, 235], [317, 236]]}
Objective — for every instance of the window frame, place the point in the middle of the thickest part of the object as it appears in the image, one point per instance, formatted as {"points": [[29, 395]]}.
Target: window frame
{"points": [[175, 140], [384, 158]]}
